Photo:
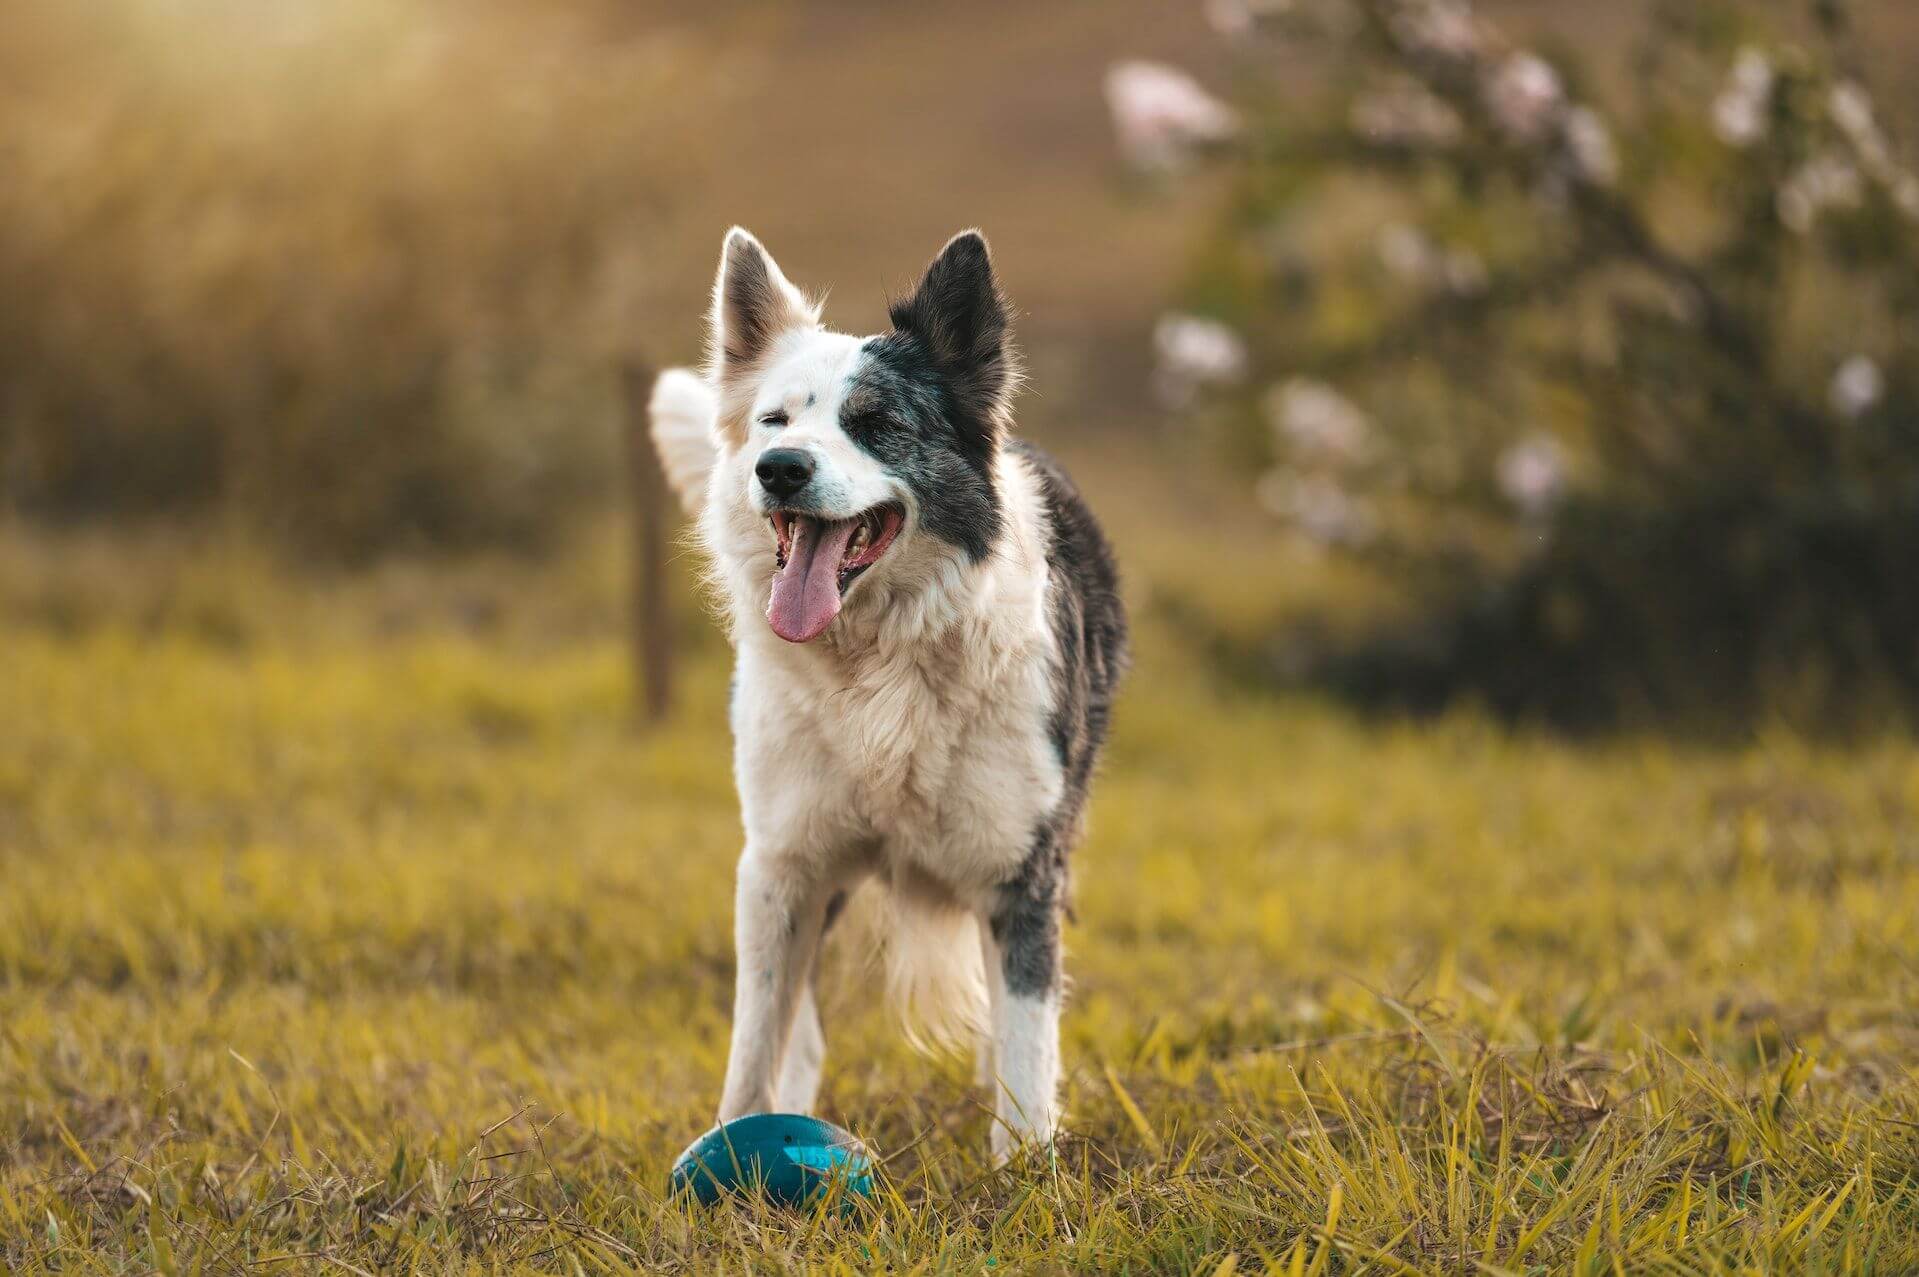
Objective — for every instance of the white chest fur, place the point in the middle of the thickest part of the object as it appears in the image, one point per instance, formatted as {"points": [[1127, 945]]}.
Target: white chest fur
{"points": [[918, 726]]}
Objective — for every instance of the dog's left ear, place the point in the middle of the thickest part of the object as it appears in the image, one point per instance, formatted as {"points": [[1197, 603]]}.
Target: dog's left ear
{"points": [[962, 317]]}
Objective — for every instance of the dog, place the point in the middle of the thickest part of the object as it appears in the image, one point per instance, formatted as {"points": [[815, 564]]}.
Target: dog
{"points": [[928, 632]]}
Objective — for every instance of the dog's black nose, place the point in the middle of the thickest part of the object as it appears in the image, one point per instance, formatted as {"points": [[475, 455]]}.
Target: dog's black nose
{"points": [[784, 471]]}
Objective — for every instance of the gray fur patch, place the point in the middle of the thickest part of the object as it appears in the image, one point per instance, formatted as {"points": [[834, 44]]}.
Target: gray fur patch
{"points": [[1025, 920], [1089, 630]]}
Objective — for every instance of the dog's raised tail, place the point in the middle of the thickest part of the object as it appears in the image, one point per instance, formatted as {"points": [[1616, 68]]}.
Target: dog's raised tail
{"points": [[684, 410]]}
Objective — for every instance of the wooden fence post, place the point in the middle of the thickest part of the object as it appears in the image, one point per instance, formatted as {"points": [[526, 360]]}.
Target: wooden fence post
{"points": [[651, 505]]}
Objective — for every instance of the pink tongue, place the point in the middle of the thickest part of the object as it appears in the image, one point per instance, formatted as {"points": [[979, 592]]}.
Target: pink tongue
{"points": [[806, 593]]}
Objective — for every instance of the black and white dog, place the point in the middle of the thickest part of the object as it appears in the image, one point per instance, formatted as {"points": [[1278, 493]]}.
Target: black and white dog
{"points": [[928, 633]]}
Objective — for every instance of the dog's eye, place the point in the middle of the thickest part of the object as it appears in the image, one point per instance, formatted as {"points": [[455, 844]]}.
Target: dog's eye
{"points": [[775, 418]]}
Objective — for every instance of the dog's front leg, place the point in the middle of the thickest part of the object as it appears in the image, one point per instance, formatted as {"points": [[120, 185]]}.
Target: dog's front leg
{"points": [[1023, 974], [777, 919]]}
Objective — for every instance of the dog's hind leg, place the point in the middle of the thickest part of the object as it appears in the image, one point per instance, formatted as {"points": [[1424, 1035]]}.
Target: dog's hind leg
{"points": [[985, 1058], [805, 1055], [777, 925], [1023, 972]]}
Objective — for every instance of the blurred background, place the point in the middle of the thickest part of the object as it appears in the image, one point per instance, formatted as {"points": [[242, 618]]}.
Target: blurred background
{"points": [[1554, 359], [362, 277]]}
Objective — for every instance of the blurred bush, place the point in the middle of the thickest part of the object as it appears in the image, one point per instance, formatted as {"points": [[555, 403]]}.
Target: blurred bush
{"points": [[355, 273], [1615, 371]]}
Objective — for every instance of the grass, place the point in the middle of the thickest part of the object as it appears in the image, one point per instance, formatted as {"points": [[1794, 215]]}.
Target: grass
{"points": [[348, 926]]}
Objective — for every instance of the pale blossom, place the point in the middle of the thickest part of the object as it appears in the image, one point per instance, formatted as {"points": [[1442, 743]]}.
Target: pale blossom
{"points": [[1436, 27], [1589, 143], [1464, 272], [1312, 420], [1404, 115], [1408, 253], [1851, 109], [1237, 17], [1318, 508], [1161, 115], [1856, 387], [1194, 352], [1905, 194], [1741, 112], [1828, 180], [1525, 96], [1405, 251], [1229, 17], [1532, 475]]}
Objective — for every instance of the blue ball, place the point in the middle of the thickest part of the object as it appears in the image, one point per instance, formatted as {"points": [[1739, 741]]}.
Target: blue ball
{"points": [[789, 1157]]}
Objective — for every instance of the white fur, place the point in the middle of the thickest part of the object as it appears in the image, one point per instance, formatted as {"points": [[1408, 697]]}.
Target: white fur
{"points": [[907, 744], [683, 408], [796, 312], [1025, 1063], [799, 1083], [807, 377]]}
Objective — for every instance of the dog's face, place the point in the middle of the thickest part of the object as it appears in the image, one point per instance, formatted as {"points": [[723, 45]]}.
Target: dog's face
{"points": [[854, 468]]}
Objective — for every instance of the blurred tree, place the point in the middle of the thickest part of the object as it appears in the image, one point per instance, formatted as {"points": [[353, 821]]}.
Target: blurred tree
{"points": [[358, 272], [1627, 398]]}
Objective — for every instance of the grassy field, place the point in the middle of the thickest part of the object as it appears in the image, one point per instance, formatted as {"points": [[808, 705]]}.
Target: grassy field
{"points": [[348, 925]]}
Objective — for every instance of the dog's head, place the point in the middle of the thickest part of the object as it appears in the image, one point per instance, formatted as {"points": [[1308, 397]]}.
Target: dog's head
{"points": [[854, 469]]}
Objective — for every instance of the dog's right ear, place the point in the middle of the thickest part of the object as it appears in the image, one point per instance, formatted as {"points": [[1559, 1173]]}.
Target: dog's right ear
{"points": [[752, 305]]}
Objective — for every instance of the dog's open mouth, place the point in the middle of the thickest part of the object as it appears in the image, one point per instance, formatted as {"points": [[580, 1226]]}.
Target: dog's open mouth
{"points": [[818, 560]]}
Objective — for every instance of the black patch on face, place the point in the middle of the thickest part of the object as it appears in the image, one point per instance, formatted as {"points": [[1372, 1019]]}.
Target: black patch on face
{"points": [[899, 411], [931, 401], [1089, 628]]}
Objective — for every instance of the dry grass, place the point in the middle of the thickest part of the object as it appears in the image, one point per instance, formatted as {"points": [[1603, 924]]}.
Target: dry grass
{"points": [[346, 925]]}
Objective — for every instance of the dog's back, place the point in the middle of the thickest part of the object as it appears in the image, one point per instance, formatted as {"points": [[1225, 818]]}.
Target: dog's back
{"points": [[1089, 618]]}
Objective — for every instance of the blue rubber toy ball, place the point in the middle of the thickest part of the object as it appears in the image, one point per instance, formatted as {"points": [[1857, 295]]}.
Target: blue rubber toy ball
{"points": [[789, 1157]]}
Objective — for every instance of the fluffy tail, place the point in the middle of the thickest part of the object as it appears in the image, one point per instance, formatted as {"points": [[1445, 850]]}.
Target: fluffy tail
{"points": [[930, 958], [934, 974], [684, 409]]}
